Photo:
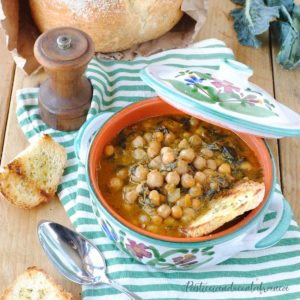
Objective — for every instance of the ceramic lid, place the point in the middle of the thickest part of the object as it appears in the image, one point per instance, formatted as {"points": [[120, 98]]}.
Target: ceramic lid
{"points": [[224, 97]]}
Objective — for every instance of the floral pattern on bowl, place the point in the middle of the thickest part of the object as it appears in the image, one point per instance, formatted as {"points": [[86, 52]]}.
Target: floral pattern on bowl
{"points": [[175, 259], [204, 87]]}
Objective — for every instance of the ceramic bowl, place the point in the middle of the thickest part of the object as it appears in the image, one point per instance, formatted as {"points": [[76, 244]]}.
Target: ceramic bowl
{"points": [[170, 252]]}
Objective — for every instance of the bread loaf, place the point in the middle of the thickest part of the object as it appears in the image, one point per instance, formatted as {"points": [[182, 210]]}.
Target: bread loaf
{"points": [[114, 25]]}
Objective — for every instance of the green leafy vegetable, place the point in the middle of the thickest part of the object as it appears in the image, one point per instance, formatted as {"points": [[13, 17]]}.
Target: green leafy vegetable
{"points": [[283, 16], [288, 4], [287, 33], [253, 19]]}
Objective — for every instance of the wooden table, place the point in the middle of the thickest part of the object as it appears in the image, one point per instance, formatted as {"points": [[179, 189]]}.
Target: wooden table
{"points": [[19, 246]]}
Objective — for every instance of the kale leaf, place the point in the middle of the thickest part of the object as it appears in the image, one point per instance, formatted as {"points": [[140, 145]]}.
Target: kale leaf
{"points": [[256, 16], [288, 4], [253, 19], [287, 32]]}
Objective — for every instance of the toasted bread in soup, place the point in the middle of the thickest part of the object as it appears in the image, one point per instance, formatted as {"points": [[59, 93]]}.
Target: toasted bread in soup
{"points": [[35, 284], [244, 196], [33, 176]]}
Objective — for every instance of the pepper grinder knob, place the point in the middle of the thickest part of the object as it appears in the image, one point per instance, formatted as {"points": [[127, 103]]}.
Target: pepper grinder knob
{"points": [[65, 98]]}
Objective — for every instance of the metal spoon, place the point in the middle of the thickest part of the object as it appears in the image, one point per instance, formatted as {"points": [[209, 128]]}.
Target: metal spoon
{"points": [[76, 257]]}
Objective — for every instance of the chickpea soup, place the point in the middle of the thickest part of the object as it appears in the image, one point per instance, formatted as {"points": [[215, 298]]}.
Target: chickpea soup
{"points": [[161, 173]]}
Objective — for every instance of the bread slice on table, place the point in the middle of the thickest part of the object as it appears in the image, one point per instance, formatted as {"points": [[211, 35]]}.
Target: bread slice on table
{"points": [[35, 284], [245, 195], [33, 176]]}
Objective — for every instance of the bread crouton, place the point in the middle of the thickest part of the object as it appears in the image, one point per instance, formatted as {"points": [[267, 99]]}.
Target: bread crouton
{"points": [[244, 196], [33, 176]]}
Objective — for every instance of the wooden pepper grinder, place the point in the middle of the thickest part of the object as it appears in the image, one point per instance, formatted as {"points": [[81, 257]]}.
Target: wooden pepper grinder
{"points": [[64, 99]]}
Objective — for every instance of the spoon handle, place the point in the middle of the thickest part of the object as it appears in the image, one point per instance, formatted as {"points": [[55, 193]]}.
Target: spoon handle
{"points": [[122, 289]]}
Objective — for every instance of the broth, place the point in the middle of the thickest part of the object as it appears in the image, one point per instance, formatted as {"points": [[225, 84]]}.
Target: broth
{"points": [[160, 173]]}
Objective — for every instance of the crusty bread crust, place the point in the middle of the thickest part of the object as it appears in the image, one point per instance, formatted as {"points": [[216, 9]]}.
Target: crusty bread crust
{"points": [[113, 25], [33, 176], [38, 282], [244, 196]]}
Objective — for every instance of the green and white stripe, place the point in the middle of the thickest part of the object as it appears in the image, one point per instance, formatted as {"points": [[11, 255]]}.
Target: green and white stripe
{"points": [[117, 84]]}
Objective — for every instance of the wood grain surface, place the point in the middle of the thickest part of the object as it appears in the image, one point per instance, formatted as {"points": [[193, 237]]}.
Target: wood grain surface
{"points": [[19, 246], [7, 68]]}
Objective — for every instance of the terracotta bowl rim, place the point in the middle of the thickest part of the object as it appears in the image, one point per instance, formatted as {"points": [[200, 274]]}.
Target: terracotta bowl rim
{"points": [[227, 233]]}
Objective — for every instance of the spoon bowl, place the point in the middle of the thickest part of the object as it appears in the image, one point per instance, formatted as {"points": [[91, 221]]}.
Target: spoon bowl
{"points": [[75, 257]]}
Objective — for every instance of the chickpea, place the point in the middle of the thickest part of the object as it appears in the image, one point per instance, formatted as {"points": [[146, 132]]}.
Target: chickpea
{"points": [[169, 221], [173, 178], [176, 212], [138, 142], [131, 196], [165, 150], [180, 202], [187, 154], [199, 163], [245, 166], [153, 149], [155, 179], [144, 219], [140, 173], [209, 172], [207, 152], [185, 201], [183, 144], [122, 173], [224, 168], [138, 154], [200, 131], [188, 211], [200, 177], [211, 164], [195, 191], [196, 204], [158, 136], [186, 219], [195, 140], [187, 181], [109, 150], [154, 197], [182, 167], [155, 163], [148, 137], [169, 138], [194, 122], [168, 157], [156, 219], [164, 211], [153, 228], [116, 183]]}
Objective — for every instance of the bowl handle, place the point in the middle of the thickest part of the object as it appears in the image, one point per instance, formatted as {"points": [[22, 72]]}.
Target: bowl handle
{"points": [[86, 134], [278, 227]]}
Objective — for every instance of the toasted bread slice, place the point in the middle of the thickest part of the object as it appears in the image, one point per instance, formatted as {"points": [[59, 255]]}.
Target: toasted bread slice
{"points": [[33, 176], [35, 284], [244, 196]]}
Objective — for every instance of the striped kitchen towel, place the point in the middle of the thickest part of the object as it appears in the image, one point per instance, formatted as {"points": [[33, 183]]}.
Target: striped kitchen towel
{"points": [[272, 273]]}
